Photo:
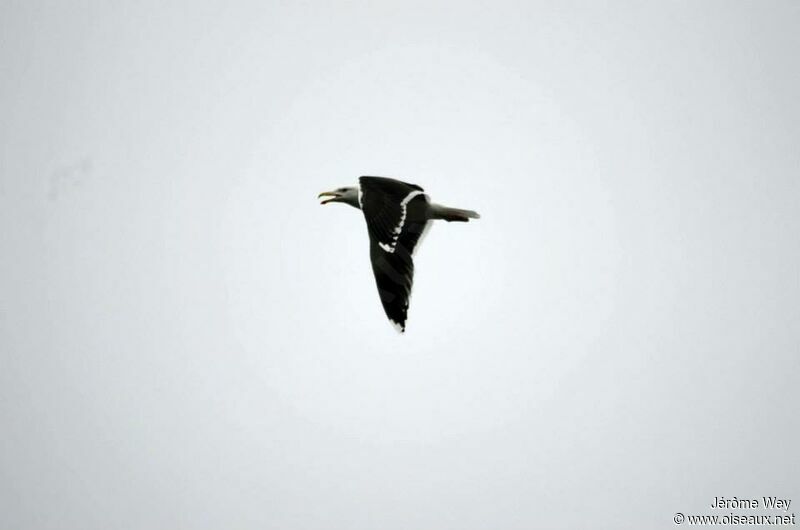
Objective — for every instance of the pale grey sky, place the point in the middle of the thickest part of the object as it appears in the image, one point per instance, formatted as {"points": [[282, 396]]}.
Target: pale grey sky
{"points": [[188, 340]]}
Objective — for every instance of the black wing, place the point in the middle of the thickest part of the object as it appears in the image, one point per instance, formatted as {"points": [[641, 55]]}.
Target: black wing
{"points": [[396, 215]]}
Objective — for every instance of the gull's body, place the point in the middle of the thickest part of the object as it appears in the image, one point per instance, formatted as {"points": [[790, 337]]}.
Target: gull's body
{"points": [[397, 214]]}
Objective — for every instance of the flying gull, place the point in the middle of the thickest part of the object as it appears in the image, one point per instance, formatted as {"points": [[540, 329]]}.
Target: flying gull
{"points": [[397, 214]]}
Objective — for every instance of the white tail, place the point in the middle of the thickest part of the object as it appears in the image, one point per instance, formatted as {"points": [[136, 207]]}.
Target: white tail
{"points": [[452, 214]]}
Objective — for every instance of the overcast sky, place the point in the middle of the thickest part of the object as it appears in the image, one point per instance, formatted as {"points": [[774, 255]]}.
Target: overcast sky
{"points": [[188, 340]]}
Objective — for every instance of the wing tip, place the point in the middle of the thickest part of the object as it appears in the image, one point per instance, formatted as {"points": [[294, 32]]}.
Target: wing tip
{"points": [[398, 327]]}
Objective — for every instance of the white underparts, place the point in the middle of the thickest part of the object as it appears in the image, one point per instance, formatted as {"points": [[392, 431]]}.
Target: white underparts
{"points": [[390, 247]]}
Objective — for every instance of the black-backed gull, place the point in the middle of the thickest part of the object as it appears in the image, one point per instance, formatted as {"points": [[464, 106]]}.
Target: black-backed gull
{"points": [[397, 214]]}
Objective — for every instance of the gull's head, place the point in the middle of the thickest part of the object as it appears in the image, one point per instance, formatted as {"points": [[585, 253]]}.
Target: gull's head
{"points": [[345, 195]]}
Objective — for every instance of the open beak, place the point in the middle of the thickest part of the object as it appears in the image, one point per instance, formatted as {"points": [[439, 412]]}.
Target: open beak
{"points": [[332, 194]]}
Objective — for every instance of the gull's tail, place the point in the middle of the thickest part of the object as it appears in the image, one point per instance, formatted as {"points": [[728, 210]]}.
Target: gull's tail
{"points": [[452, 214]]}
